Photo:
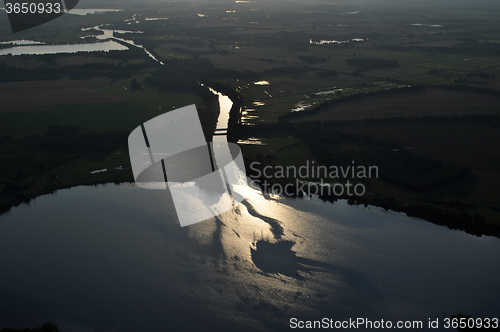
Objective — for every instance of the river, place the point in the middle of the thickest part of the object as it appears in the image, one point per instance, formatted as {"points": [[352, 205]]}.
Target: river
{"points": [[114, 258]]}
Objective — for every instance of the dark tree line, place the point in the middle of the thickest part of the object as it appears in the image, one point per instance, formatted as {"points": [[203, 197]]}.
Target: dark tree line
{"points": [[371, 63], [287, 71], [14, 74], [110, 70], [489, 119], [47, 327], [312, 59], [469, 48], [292, 41], [71, 139], [467, 88], [27, 159], [395, 164], [326, 73], [186, 74], [452, 219]]}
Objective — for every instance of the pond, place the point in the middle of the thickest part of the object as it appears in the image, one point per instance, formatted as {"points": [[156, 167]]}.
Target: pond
{"points": [[105, 46], [90, 11], [326, 42]]}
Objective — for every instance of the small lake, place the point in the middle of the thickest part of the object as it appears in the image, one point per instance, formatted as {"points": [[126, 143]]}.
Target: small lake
{"points": [[155, 18], [428, 25], [106, 43], [90, 11], [105, 46], [21, 42], [326, 42]]}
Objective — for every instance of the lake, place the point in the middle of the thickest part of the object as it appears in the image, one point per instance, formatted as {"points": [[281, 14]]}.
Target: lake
{"points": [[325, 42], [64, 48], [90, 11], [106, 44], [114, 258]]}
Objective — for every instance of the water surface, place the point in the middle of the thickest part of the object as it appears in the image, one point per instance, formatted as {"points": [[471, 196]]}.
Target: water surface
{"points": [[89, 11], [114, 258], [105, 46]]}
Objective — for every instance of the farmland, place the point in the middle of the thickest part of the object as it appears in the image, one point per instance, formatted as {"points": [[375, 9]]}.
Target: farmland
{"points": [[45, 95]]}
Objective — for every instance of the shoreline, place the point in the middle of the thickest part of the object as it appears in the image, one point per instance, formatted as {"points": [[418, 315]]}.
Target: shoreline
{"points": [[420, 210]]}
